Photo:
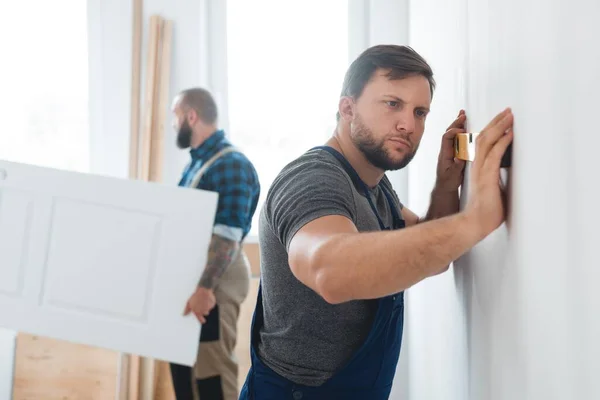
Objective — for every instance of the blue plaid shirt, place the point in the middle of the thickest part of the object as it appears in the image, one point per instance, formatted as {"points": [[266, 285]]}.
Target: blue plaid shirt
{"points": [[233, 176]]}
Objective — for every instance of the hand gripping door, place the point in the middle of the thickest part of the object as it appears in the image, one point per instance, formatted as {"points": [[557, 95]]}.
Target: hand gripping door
{"points": [[102, 261]]}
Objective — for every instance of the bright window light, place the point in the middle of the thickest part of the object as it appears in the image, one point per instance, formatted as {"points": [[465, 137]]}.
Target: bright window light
{"points": [[44, 83], [286, 64]]}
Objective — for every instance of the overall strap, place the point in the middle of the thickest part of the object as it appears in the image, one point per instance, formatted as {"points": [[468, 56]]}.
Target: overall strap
{"points": [[397, 220], [198, 175]]}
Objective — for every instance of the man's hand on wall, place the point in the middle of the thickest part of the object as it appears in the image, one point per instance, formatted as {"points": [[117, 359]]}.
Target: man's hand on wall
{"points": [[486, 204]]}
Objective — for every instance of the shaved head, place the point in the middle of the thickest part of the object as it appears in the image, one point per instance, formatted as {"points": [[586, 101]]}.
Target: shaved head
{"points": [[201, 101]]}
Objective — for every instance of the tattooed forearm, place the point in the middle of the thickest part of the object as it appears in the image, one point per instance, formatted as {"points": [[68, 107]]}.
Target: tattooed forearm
{"points": [[221, 254]]}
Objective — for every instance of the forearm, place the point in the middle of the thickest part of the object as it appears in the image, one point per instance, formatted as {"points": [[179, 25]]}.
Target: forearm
{"points": [[443, 203], [376, 264], [221, 254]]}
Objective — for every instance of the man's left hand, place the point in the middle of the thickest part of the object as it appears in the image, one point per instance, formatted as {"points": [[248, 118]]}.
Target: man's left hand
{"points": [[450, 170], [201, 303]]}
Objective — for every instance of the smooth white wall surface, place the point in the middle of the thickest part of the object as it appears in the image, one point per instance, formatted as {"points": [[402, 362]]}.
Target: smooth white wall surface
{"points": [[490, 272], [436, 307], [556, 193], [518, 316]]}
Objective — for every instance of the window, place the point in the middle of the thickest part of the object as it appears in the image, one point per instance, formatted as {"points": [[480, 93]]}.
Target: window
{"points": [[285, 67], [44, 81]]}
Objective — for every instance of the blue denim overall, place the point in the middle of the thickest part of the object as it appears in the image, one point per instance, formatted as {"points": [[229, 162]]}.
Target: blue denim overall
{"points": [[369, 373]]}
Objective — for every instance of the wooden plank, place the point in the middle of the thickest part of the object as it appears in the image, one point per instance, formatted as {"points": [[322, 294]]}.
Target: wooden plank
{"points": [[135, 89], [140, 370], [164, 387], [157, 81], [124, 361], [146, 381], [134, 377], [151, 368], [161, 101], [150, 95], [54, 369]]}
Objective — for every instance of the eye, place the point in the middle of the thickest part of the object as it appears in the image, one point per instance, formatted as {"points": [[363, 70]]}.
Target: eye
{"points": [[393, 104], [421, 113]]}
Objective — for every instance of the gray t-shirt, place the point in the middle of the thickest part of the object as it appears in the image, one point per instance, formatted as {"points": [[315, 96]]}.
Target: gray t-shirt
{"points": [[304, 338]]}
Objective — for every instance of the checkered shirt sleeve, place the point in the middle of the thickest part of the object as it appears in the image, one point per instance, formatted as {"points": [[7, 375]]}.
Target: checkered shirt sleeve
{"points": [[234, 177]]}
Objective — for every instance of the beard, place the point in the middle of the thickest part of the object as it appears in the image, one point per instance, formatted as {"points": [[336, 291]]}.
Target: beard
{"points": [[375, 151], [184, 135]]}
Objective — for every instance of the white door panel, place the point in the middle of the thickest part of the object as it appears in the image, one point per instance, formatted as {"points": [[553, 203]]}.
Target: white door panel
{"points": [[7, 362], [102, 261]]}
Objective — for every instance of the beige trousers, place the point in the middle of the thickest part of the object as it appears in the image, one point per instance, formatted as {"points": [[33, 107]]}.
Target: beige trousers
{"points": [[216, 364]]}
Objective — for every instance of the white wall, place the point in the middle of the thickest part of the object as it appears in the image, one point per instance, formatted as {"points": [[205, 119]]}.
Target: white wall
{"points": [[517, 317], [436, 307]]}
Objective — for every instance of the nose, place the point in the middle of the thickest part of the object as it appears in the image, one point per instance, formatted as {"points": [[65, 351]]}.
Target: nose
{"points": [[406, 121]]}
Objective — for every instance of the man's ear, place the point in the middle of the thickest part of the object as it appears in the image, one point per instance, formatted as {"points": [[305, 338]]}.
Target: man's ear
{"points": [[346, 108], [191, 116]]}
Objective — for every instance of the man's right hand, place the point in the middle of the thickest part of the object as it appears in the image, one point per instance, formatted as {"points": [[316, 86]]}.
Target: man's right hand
{"points": [[201, 303], [485, 205]]}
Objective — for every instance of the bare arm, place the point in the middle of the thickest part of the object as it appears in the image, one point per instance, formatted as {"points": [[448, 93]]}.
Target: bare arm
{"points": [[330, 256], [340, 264], [444, 197], [442, 204], [221, 254], [237, 188]]}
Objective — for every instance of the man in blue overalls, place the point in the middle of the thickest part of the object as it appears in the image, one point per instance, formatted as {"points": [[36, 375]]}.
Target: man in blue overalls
{"points": [[338, 248], [217, 166]]}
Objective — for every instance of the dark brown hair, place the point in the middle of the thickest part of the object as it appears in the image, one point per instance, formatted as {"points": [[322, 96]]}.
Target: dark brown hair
{"points": [[399, 61]]}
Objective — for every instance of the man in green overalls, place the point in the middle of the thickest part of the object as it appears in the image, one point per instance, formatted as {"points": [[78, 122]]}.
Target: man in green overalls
{"points": [[215, 165]]}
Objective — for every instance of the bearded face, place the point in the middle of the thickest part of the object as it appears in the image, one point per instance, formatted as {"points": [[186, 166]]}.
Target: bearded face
{"points": [[387, 120], [389, 152]]}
